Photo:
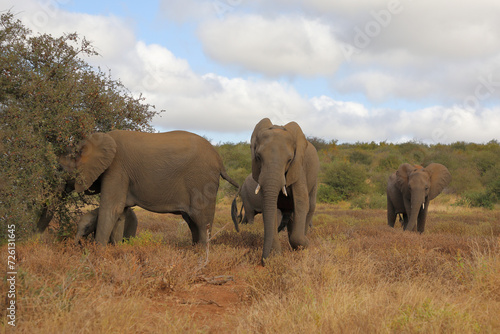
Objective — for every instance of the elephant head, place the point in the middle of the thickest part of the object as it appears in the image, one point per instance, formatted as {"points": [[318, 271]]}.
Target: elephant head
{"points": [[93, 156], [277, 163], [419, 186]]}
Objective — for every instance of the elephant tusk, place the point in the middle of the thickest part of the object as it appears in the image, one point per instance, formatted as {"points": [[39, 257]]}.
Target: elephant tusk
{"points": [[257, 189], [284, 191], [423, 206]]}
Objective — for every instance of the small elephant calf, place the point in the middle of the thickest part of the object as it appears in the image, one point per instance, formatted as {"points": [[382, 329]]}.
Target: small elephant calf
{"points": [[252, 204], [126, 226]]}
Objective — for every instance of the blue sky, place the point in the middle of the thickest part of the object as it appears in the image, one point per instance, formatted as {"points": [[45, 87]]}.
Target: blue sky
{"points": [[369, 70]]}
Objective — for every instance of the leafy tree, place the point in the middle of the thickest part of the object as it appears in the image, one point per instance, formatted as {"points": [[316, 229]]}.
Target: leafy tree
{"points": [[50, 99]]}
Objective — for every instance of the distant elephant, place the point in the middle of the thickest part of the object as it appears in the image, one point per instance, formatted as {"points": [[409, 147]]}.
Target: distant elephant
{"points": [[174, 172], [285, 166], [409, 191], [126, 225]]}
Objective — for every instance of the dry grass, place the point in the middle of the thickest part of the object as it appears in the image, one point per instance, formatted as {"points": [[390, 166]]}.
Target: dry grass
{"points": [[358, 276]]}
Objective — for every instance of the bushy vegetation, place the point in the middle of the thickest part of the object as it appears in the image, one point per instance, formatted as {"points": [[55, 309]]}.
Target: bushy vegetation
{"points": [[358, 172], [50, 99]]}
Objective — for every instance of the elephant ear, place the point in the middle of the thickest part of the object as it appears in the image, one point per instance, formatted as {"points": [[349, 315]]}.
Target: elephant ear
{"points": [[94, 156], [256, 165], [440, 178], [297, 166], [402, 175]]}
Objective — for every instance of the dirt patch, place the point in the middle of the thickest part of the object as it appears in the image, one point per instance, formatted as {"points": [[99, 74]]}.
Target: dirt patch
{"points": [[214, 303]]}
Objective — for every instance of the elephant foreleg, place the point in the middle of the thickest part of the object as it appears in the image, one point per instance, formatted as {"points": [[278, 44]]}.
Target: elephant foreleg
{"points": [[422, 217], [107, 225], [114, 189], [297, 228]]}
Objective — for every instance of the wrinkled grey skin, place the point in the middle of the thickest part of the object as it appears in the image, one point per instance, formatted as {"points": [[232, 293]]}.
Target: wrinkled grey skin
{"points": [[286, 166], [410, 190], [174, 172], [126, 226]]}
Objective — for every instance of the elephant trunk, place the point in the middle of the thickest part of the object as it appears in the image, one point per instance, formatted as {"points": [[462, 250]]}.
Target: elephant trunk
{"points": [[417, 201], [269, 210]]}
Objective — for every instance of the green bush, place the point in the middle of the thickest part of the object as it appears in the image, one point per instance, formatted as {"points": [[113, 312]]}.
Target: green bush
{"points": [[484, 199], [464, 180], [346, 179], [50, 99], [390, 162], [327, 194], [358, 156]]}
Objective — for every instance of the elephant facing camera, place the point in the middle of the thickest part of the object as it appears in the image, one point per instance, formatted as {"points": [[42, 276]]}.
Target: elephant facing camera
{"points": [[409, 192], [285, 166]]}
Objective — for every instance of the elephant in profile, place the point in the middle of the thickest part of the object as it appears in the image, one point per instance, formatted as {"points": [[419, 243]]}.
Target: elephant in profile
{"points": [[285, 166], [126, 225], [409, 191], [173, 172]]}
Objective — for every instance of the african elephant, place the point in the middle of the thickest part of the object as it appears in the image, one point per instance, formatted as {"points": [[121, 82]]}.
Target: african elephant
{"points": [[252, 204], [125, 227], [409, 191], [174, 172], [285, 166]]}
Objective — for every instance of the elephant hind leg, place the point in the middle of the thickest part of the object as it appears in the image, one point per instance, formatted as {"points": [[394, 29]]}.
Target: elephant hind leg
{"points": [[199, 224], [195, 232]]}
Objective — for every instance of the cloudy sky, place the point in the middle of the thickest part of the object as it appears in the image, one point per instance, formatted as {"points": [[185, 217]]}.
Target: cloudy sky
{"points": [[367, 70]]}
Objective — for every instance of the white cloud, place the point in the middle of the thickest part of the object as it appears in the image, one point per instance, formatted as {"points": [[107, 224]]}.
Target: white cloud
{"points": [[287, 45], [399, 64], [348, 121]]}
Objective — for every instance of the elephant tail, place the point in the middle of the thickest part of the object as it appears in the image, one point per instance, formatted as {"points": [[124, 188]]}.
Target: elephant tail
{"points": [[229, 179], [234, 211]]}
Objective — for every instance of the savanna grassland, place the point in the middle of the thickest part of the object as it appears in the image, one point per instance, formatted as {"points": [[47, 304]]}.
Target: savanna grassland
{"points": [[357, 276]]}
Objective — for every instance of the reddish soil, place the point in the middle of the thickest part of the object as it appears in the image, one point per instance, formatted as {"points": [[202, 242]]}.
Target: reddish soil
{"points": [[213, 303]]}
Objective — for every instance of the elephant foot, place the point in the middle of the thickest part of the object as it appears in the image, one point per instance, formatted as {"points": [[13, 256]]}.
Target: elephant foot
{"points": [[298, 242]]}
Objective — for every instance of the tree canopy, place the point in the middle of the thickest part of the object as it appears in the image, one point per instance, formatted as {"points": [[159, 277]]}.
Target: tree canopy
{"points": [[50, 99]]}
